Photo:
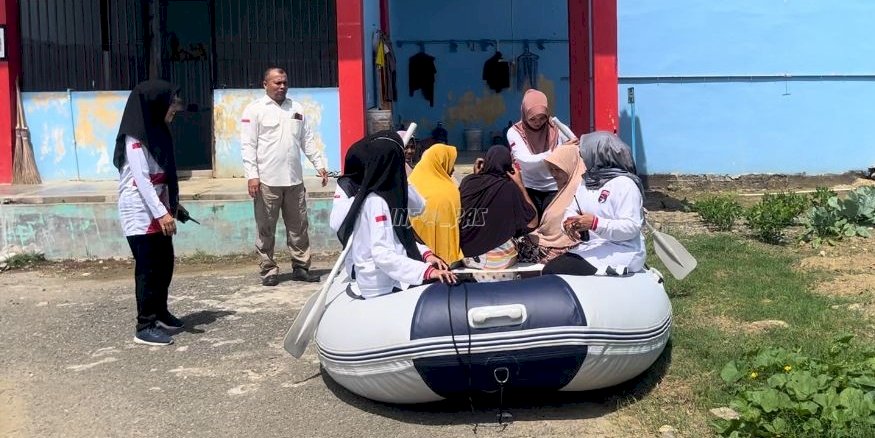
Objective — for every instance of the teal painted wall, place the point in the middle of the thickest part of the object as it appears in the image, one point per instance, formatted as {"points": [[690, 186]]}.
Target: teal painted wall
{"points": [[65, 231]]}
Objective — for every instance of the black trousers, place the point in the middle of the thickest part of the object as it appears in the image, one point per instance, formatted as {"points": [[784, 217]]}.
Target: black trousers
{"points": [[153, 271], [569, 264], [541, 199]]}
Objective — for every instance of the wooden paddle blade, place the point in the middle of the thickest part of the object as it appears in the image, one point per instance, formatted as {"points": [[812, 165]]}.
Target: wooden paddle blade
{"points": [[676, 258], [292, 342]]}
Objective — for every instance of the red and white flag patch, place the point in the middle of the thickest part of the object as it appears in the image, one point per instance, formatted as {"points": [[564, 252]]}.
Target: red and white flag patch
{"points": [[245, 120], [380, 218], [603, 196]]}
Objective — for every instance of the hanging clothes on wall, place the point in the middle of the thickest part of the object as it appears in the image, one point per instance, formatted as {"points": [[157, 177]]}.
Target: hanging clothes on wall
{"points": [[384, 62], [421, 75], [526, 70], [496, 72]]}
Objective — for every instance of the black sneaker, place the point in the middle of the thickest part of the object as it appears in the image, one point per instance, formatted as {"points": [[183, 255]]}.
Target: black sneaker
{"points": [[152, 336], [301, 274], [169, 322], [270, 280]]}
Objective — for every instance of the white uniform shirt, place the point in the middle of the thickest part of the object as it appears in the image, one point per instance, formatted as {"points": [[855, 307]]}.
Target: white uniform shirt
{"points": [[536, 175], [142, 191], [378, 257], [342, 203], [616, 238], [272, 138]]}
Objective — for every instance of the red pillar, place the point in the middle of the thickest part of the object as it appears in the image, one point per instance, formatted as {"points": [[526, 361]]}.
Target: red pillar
{"points": [[604, 53], [351, 72], [578, 65], [9, 72]]}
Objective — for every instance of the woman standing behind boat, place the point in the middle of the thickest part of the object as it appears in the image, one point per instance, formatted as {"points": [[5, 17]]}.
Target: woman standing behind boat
{"points": [[384, 255], [531, 141], [609, 212], [438, 225], [495, 209]]}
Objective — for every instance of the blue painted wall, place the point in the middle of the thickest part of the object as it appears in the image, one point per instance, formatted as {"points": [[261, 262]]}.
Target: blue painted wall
{"points": [[321, 107], [462, 97], [73, 134], [748, 86]]}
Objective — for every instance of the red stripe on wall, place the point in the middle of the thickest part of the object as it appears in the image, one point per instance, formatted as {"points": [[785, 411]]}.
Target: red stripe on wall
{"points": [[604, 49], [350, 72], [578, 65], [9, 72]]}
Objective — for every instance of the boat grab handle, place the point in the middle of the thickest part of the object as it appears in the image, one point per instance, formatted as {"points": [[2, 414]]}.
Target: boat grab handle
{"points": [[497, 316]]}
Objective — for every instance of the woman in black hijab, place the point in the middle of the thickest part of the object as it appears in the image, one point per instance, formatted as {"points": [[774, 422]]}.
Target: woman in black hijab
{"points": [[149, 201], [384, 255], [495, 209]]}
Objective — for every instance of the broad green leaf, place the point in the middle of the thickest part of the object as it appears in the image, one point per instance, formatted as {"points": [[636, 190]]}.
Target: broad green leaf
{"points": [[854, 400], [777, 381], [827, 399], [730, 373], [803, 385], [867, 381], [770, 400]]}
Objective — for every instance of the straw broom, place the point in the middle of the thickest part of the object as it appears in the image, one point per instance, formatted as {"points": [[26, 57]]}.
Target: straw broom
{"points": [[24, 169]]}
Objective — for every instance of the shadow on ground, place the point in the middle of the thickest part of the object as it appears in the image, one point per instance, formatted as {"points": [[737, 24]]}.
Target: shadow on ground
{"points": [[528, 406], [203, 317]]}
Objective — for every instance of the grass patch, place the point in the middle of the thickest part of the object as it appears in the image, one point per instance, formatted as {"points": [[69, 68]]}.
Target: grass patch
{"points": [[21, 261], [737, 282]]}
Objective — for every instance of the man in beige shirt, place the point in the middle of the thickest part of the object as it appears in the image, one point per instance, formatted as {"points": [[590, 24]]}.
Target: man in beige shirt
{"points": [[274, 133]]}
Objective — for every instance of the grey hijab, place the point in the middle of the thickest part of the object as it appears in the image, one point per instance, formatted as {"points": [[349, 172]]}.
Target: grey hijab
{"points": [[606, 157]]}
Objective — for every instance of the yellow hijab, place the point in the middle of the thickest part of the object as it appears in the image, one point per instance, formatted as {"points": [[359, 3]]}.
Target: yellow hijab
{"points": [[438, 225]]}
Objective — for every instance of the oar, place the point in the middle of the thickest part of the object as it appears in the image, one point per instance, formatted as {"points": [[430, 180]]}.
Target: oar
{"points": [[676, 258], [566, 131], [305, 324]]}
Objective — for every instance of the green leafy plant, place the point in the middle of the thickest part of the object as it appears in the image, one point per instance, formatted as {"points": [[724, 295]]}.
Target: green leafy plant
{"points": [[778, 392], [20, 261], [774, 213], [837, 218], [821, 196], [719, 211]]}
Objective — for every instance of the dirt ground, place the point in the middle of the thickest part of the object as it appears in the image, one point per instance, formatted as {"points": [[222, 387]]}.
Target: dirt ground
{"points": [[68, 366]]}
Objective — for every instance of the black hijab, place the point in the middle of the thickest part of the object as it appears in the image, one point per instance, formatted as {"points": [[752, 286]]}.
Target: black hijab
{"points": [[143, 119], [354, 163], [493, 208], [382, 172]]}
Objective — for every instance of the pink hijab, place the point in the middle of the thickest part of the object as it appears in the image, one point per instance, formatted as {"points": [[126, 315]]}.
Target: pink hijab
{"points": [[541, 140]]}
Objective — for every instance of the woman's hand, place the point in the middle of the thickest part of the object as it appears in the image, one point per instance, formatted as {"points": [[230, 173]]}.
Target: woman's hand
{"points": [[575, 224], [478, 165], [443, 275], [437, 262], [168, 224]]}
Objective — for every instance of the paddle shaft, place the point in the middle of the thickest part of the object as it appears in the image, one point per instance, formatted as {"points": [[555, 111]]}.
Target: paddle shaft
{"points": [[566, 131]]}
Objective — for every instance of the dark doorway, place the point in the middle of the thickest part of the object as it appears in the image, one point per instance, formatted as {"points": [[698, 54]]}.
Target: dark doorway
{"points": [[187, 58]]}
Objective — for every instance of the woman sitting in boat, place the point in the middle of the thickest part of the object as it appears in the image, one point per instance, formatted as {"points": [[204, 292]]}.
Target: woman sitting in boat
{"points": [[607, 217], [438, 225], [353, 167], [495, 209], [549, 240], [384, 257]]}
